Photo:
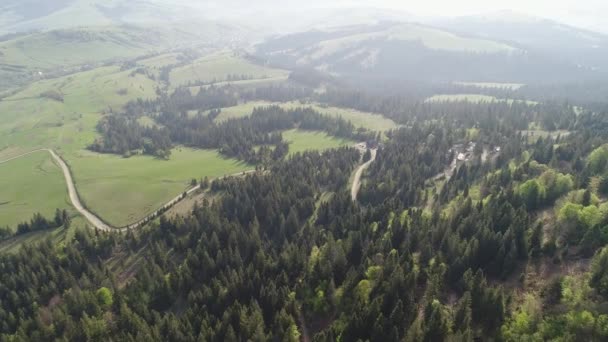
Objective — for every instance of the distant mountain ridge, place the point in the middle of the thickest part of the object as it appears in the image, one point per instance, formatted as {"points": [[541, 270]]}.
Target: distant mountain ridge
{"points": [[552, 39]]}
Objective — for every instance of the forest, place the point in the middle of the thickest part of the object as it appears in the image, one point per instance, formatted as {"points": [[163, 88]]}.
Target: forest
{"points": [[122, 134], [285, 254]]}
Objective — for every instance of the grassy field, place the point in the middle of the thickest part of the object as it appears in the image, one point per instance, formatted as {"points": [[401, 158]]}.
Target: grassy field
{"points": [[30, 184], [300, 141], [117, 189], [217, 67], [429, 37], [30, 120], [123, 190], [160, 60], [476, 98], [53, 49], [259, 82], [492, 85], [372, 121]]}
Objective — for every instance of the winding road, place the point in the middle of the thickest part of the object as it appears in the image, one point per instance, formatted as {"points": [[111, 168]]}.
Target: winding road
{"points": [[357, 181], [67, 174], [93, 219]]}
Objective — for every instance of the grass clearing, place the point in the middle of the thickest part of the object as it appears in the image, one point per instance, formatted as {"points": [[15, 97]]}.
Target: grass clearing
{"points": [[491, 85], [429, 37], [119, 190], [301, 141], [30, 184], [31, 121], [47, 50], [217, 67], [123, 190], [160, 60], [474, 98], [372, 121]]}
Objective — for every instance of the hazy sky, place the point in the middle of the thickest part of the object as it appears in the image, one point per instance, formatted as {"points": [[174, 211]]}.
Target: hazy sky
{"points": [[586, 13], [592, 14], [582, 13]]}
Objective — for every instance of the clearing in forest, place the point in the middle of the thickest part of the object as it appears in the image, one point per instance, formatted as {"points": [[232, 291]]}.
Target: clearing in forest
{"points": [[371, 121]]}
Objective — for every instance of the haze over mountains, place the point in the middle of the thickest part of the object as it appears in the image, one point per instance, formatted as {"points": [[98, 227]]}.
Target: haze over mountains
{"points": [[361, 43]]}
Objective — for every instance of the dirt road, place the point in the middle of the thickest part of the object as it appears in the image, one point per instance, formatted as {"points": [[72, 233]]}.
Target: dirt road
{"points": [[67, 174], [93, 219], [357, 181]]}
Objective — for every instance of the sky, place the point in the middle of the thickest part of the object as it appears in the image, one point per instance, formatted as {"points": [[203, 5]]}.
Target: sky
{"points": [[577, 12], [583, 13], [589, 14]]}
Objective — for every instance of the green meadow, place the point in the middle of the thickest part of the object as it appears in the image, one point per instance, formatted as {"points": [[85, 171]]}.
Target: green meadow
{"points": [[119, 190], [30, 184], [123, 190], [301, 141], [372, 121], [217, 67], [476, 98], [491, 85]]}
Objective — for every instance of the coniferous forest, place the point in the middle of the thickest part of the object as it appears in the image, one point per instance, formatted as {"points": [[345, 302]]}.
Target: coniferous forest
{"points": [[303, 171], [432, 249]]}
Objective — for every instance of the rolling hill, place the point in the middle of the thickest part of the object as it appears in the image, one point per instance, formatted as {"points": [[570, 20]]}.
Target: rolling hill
{"points": [[406, 51], [548, 38]]}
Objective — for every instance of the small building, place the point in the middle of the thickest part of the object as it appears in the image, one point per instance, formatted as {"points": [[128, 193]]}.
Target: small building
{"points": [[461, 157]]}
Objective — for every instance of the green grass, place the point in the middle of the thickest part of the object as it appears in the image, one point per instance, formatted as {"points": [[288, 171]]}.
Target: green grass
{"points": [[475, 98], [492, 85], [117, 189], [217, 67], [244, 84], [48, 50], [429, 37], [123, 190], [160, 60], [30, 121], [30, 184], [372, 121], [442, 40], [301, 141]]}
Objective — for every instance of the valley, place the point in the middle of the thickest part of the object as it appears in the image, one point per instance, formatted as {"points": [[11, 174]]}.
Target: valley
{"points": [[186, 171]]}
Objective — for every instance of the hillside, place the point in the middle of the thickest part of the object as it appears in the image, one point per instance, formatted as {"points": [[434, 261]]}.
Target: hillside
{"points": [[417, 52], [548, 38], [39, 55], [30, 15], [165, 176]]}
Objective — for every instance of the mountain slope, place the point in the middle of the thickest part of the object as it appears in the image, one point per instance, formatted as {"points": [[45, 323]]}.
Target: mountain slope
{"points": [[403, 51], [545, 37], [27, 15]]}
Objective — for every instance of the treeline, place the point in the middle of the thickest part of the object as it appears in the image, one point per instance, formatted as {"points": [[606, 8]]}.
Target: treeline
{"points": [[222, 243], [124, 135], [403, 109], [37, 223], [246, 138]]}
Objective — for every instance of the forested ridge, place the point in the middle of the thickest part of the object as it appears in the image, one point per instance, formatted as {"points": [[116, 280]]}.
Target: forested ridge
{"points": [[435, 248]]}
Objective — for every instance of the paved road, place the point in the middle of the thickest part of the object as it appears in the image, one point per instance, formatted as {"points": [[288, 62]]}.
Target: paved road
{"points": [[357, 181], [93, 219]]}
